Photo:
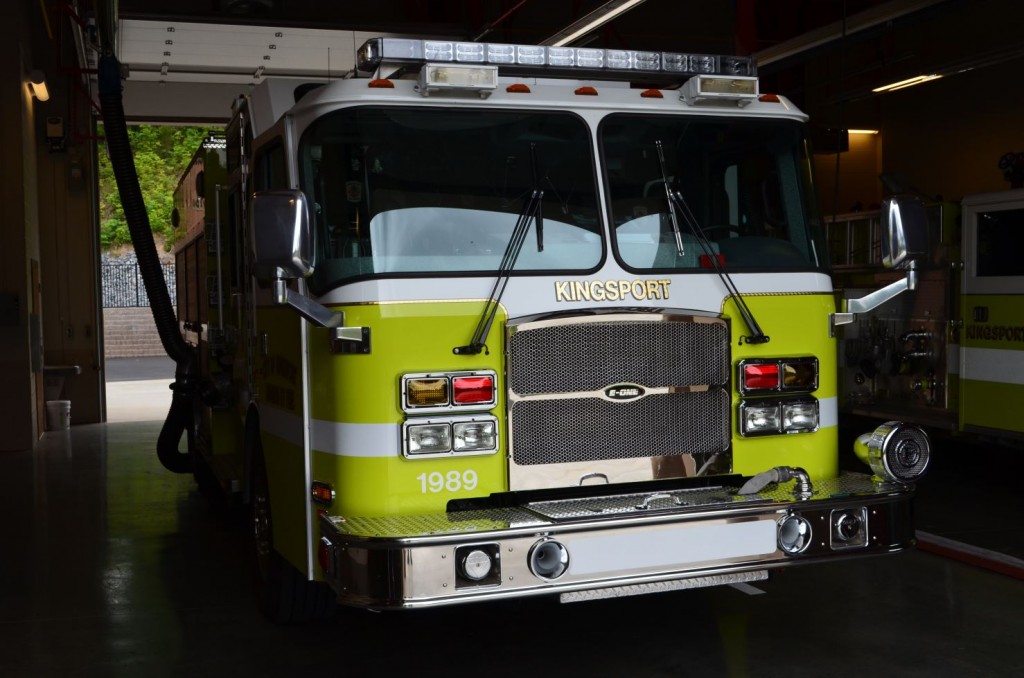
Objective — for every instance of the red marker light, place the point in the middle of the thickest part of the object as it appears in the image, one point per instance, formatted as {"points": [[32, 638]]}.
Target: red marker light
{"points": [[473, 390], [706, 262], [764, 376]]}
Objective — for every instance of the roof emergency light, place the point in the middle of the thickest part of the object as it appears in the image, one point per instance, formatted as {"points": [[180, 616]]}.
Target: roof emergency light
{"points": [[586, 62], [714, 89], [459, 78]]}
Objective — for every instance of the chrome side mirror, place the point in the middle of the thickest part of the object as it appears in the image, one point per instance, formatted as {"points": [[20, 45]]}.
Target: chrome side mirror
{"points": [[282, 250], [282, 244], [904, 242], [906, 231]]}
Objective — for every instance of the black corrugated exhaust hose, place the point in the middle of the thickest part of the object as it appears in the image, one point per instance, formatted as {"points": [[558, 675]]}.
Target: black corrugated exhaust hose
{"points": [[180, 416]]}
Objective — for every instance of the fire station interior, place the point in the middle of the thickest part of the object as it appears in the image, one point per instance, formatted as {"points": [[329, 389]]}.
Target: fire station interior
{"points": [[110, 565]]}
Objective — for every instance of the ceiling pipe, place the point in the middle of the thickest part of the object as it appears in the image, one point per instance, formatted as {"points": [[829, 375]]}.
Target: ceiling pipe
{"points": [[591, 22], [491, 26], [862, 21]]}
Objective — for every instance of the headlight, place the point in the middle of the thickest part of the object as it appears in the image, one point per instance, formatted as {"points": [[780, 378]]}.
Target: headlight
{"points": [[765, 416], [548, 559], [473, 436], [443, 436], [794, 533], [895, 451], [428, 438], [800, 416], [758, 418]]}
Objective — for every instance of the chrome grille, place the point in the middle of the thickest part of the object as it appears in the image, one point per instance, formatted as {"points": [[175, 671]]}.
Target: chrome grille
{"points": [[559, 369], [586, 356], [586, 429]]}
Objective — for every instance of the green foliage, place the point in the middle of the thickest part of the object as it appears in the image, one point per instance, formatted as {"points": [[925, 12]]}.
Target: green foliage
{"points": [[162, 154]]}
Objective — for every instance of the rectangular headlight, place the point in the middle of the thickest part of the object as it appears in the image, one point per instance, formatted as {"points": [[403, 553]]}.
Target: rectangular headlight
{"points": [[475, 436], [760, 418], [766, 416], [428, 438], [800, 416]]}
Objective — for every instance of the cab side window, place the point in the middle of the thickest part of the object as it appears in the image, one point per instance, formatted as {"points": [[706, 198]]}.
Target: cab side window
{"points": [[269, 169]]}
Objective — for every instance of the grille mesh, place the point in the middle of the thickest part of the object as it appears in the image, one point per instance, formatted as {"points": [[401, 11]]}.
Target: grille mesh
{"points": [[591, 356], [588, 429], [585, 355]]}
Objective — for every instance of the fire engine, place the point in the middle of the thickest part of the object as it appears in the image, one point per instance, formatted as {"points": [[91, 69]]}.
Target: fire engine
{"points": [[948, 357], [486, 321]]}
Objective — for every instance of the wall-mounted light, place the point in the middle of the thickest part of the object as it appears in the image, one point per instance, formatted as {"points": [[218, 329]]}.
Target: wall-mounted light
{"points": [[862, 131], [909, 82], [37, 81]]}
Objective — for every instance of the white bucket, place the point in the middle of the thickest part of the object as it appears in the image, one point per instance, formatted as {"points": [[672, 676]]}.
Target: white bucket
{"points": [[58, 415]]}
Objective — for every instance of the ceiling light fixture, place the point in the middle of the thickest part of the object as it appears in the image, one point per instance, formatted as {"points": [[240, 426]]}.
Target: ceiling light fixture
{"points": [[599, 17], [909, 82], [37, 81]]}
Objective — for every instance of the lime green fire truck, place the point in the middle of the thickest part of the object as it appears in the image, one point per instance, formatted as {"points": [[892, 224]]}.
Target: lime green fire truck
{"points": [[485, 321], [951, 355]]}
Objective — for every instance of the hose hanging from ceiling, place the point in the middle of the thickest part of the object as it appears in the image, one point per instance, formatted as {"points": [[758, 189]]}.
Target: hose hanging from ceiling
{"points": [[180, 417]]}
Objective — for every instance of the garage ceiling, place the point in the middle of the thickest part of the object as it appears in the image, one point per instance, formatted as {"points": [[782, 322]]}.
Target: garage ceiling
{"points": [[188, 59]]}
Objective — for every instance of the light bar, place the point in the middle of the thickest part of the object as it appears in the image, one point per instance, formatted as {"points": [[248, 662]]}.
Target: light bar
{"points": [[585, 60]]}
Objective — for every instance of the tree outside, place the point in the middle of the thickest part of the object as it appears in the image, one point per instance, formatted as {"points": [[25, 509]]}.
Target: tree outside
{"points": [[162, 153]]}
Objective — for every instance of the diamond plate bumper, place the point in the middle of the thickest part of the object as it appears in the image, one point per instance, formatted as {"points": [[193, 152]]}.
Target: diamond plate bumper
{"points": [[625, 542]]}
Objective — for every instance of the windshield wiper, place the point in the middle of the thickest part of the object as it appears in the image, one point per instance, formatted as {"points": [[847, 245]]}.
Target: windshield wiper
{"points": [[677, 206], [531, 212], [668, 196]]}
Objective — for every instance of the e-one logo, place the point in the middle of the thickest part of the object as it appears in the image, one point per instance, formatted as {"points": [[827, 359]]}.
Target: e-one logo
{"points": [[624, 392]]}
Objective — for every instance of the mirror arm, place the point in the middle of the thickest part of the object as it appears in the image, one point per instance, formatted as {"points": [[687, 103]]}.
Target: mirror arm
{"points": [[310, 310], [875, 299]]}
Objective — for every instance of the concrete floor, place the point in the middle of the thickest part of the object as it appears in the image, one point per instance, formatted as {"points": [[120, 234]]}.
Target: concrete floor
{"points": [[111, 566]]}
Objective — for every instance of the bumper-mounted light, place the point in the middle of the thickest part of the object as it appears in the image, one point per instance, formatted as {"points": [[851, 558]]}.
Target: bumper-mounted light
{"points": [[896, 452]]}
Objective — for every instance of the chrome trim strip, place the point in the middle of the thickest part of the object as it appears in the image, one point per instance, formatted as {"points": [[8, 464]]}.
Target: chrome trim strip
{"points": [[603, 395], [307, 436], [613, 315]]}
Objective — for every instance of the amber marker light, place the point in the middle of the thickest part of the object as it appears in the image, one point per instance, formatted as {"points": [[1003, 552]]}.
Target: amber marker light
{"points": [[426, 392], [322, 493]]}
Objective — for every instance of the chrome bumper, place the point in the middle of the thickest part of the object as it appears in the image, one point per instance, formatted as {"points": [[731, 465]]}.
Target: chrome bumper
{"points": [[616, 545]]}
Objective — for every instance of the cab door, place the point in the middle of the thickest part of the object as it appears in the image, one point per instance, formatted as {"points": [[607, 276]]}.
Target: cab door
{"points": [[992, 341]]}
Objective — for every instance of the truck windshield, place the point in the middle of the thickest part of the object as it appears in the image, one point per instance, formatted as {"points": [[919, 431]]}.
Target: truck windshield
{"points": [[746, 182], [438, 191]]}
